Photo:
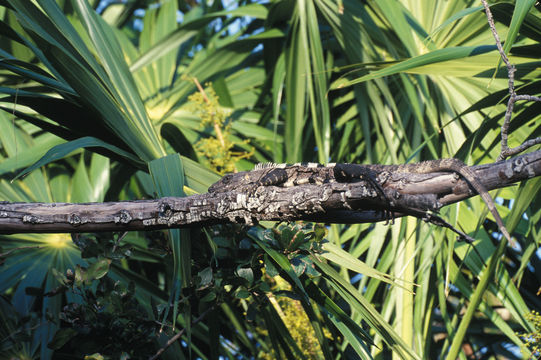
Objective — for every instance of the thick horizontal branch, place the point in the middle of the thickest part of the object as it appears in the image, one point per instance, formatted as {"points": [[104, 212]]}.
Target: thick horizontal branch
{"points": [[331, 202]]}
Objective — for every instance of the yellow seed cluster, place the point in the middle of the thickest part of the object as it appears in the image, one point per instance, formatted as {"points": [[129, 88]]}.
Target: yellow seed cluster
{"points": [[298, 324], [206, 106], [533, 339], [220, 157], [218, 149]]}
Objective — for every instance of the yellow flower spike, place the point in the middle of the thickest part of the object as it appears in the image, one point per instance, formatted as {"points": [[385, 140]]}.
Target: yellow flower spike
{"points": [[217, 150]]}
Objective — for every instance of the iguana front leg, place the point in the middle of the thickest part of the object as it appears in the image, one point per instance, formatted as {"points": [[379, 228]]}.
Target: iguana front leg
{"points": [[349, 172]]}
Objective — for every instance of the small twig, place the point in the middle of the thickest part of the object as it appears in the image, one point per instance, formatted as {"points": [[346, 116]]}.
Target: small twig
{"points": [[120, 238], [19, 248], [513, 97], [13, 334], [179, 334], [528, 98]]}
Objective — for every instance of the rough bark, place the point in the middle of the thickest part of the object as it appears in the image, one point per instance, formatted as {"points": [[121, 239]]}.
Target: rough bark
{"points": [[330, 202]]}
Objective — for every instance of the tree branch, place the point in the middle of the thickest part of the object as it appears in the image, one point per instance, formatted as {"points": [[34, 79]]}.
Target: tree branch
{"points": [[330, 202], [506, 151]]}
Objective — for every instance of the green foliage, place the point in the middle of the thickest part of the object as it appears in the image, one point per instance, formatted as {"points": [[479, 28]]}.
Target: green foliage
{"points": [[16, 331], [108, 319], [97, 109]]}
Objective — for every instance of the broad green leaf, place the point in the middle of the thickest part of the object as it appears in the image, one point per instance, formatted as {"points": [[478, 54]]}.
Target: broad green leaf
{"points": [[254, 10], [197, 176], [32, 72], [99, 174], [189, 30], [157, 24], [418, 61], [338, 315], [63, 150], [107, 48], [317, 83], [168, 176], [62, 337], [369, 313], [341, 257], [55, 30], [297, 65], [82, 187], [459, 15], [98, 269], [479, 66], [403, 24], [284, 263], [28, 155], [522, 7]]}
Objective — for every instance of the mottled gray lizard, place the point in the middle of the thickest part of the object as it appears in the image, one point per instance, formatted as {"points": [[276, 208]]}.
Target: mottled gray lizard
{"points": [[270, 174]]}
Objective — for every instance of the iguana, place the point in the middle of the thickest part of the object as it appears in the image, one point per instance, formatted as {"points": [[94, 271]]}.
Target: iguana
{"points": [[270, 174]]}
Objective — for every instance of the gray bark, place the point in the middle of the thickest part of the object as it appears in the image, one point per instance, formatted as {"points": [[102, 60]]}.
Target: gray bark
{"points": [[330, 202]]}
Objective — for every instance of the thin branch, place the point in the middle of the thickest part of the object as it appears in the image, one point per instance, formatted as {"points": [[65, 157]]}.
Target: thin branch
{"points": [[329, 202], [513, 97], [18, 248], [179, 335], [488, 275]]}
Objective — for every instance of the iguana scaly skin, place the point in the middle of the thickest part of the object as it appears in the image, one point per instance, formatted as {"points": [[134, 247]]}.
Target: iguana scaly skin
{"points": [[270, 174]]}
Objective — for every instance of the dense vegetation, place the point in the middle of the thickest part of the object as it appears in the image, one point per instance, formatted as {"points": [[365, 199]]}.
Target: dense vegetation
{"points": [[155, 98]]}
